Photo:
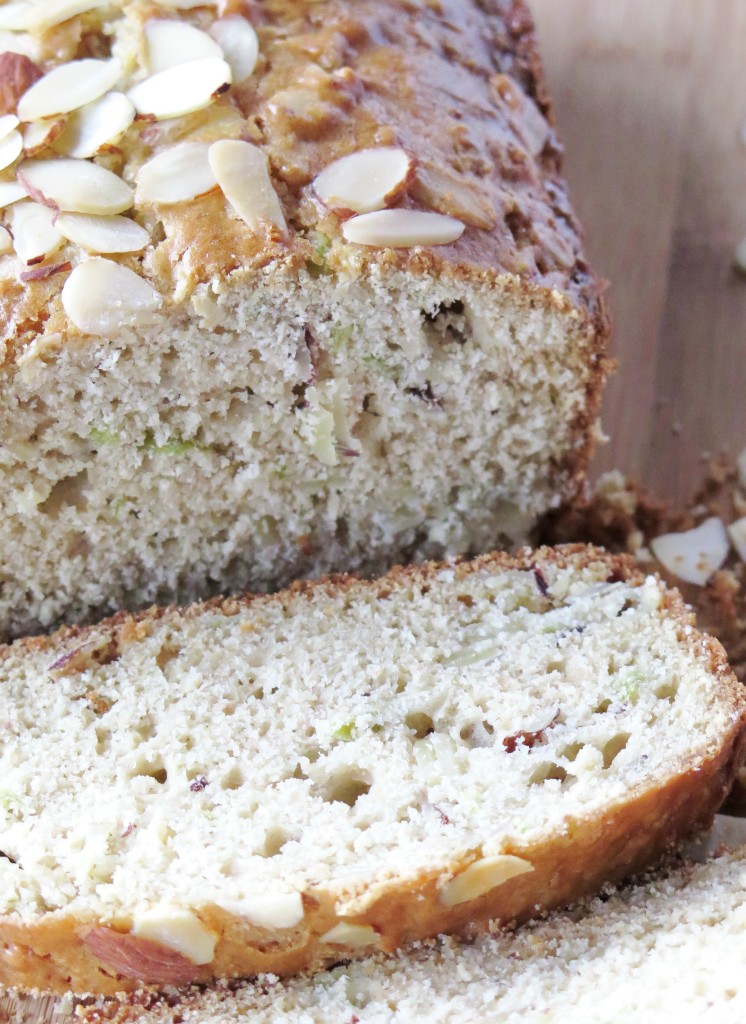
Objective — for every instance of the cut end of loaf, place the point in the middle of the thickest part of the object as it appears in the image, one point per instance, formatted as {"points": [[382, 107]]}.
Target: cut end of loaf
{"points": [[284, 430]]}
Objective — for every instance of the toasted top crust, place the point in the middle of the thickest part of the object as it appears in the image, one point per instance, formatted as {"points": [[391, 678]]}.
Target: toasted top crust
{"points": [[456, 83]]}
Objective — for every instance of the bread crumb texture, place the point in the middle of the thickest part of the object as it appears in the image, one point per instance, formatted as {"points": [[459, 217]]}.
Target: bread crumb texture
{"points": [[205, 384], [270, 783]]}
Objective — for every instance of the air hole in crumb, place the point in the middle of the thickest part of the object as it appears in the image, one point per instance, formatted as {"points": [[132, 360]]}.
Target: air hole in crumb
{"points": [[165, 655], [613, 748], [571, 752], [477, 734], [298, 773], [274, 840], [346, 788], [312, 754], [420, 723], [465, 599], [403, 682], [229, 709], [70, 491], [258, 693], [233, 778], [558, 665], [103, 736], [545, 771], [667, 691], [151, 770], [602, 708]]}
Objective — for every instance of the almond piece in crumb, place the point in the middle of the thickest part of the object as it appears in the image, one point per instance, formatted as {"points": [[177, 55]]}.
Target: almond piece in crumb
{"points": [[402, 229], [481, 877], [177, 929], [368, 180], [136, 957], [354, 936]]}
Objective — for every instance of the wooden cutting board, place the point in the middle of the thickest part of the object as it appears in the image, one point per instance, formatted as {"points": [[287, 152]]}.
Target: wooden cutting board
{"points": [[650, 98]]}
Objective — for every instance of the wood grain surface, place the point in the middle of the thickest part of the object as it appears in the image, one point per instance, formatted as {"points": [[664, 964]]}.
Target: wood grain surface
{"points": [[650, 97]]}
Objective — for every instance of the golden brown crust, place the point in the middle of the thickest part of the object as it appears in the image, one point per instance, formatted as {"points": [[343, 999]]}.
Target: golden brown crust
{"points": [[458, 84], [51, 954]]}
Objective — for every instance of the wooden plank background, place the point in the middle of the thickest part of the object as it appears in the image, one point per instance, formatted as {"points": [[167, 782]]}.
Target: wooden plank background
{"points": [[650, 97]]}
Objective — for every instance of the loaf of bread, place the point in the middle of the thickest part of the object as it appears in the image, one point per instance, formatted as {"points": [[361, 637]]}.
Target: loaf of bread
{"points": [[288, 287], [274, 784], [668, 949]]}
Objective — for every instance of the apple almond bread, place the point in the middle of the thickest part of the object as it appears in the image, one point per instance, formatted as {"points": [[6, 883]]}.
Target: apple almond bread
{"points": [[285, 287], [272, 784], [669, 948]]}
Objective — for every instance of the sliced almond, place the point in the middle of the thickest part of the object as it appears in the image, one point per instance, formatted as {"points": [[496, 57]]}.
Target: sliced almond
{"points": [[75, 185], [693, 555], [178, 929], [481, 877], [16, 16], [101, 296], [737, 534], [8, 123], [34, 233], [365, 181], [103, 234], [97, 125], [400, 229], [40, 135], [239, 43], [11, 192], [182, 89], [273, 910], [242, 171], [11, 148], [187, 5], [68, 87], [6, 241], [173, 42], [354, 936], [54, 12], [176, 175]]}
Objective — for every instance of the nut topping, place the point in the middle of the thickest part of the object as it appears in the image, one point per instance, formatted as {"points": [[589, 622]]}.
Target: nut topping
{"points": [[181, 89], [102, 234], [11, 148], [34, 233], [68, 87], [176, 174], [173, 42], [239, 43], [75, 185], [101, 296], [6, 242], [368, 180], [17, 74], [242, 171], [97, 125], [401, 229]]}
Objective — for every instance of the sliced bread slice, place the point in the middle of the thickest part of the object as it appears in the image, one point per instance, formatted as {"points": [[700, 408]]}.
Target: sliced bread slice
{"points": [[272, 784], [670, 949]]}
